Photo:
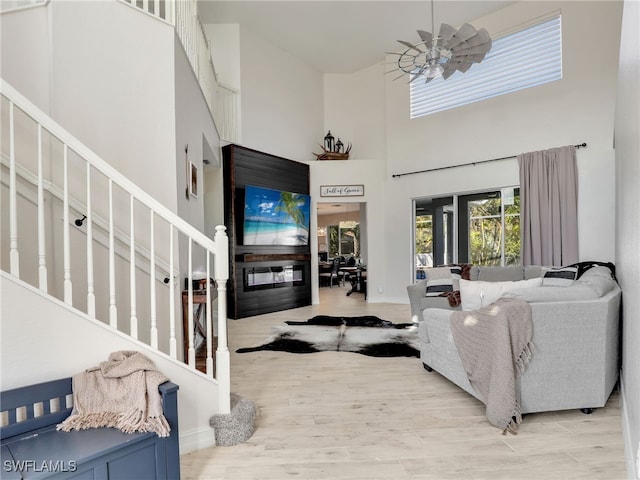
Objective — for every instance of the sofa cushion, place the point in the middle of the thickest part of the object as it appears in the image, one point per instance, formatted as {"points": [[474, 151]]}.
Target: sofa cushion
{"points": [[500, 274], [533, 271], [442, 279], [571, 293], [478, 294]]}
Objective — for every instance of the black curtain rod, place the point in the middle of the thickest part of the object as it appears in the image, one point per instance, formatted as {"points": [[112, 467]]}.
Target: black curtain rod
{"points": [[583, 144]]}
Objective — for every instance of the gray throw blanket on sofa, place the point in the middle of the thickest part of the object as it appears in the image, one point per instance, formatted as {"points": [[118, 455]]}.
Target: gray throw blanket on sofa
{"points": [[495, 346]]}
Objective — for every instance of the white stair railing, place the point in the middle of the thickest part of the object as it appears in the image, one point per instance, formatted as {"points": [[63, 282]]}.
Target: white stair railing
{"points": [[223, 101], [81, 166]]}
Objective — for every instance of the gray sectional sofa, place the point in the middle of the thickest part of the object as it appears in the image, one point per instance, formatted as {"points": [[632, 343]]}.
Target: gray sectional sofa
{"points": [[575, 333]]}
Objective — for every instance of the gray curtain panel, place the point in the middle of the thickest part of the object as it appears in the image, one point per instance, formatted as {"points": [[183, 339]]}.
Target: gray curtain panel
{"points": [[549, 207]]}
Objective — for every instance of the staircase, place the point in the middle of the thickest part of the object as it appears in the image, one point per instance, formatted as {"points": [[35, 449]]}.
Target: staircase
{"points": [[91, 264]]}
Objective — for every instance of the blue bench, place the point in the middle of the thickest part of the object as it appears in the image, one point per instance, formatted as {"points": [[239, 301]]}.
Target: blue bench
{"points": [[32, 448]]}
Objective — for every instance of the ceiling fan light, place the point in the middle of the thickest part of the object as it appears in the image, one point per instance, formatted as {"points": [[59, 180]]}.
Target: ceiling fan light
{"points": [[434, 71]]}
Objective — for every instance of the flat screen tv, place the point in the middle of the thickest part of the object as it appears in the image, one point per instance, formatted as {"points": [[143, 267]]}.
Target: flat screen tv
{"points": [[275, 217]]}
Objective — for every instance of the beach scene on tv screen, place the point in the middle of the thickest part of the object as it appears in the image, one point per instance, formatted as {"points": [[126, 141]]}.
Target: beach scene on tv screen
{"points": [[274, 217]]}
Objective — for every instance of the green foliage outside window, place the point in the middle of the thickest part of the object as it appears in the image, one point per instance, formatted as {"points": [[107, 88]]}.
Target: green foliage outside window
{"points": [[424, 234], [344, 239], [485, 232]]}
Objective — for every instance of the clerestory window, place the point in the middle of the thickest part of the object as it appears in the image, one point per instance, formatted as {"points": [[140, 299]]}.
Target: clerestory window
{"points": [[526, 58]]}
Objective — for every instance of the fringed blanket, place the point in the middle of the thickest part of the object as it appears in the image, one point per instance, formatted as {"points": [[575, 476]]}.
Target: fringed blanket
{"points": [[495, 346], [121, 393]]}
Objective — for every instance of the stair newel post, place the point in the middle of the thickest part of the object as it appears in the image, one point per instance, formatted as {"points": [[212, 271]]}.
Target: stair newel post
{"points": [[113, 309], [173, 347], [68, 292], [91, 297], [209, 329], [42, 256], [191, 356], [223, 363], [133, 320], [152, 283], [14, 256]]}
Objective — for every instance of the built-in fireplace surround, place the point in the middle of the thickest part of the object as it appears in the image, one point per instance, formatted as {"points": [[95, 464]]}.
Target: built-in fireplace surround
{"points": [[262, 278]]}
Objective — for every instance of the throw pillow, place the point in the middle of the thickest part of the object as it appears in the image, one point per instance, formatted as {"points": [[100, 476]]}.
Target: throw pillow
{"points": [[477, 294], [584, 266], [559, 277], [599, 279], [442, 279]]}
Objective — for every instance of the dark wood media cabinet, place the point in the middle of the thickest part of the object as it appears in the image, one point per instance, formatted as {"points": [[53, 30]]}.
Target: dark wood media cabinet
{"points": [[262, 278]]}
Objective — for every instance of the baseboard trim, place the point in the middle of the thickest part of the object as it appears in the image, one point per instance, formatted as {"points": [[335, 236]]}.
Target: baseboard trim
{"points": [[629, 449], [197, 439]]}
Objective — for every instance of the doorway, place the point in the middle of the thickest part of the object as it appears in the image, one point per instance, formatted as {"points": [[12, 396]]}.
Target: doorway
{"points": [[341, 234]]}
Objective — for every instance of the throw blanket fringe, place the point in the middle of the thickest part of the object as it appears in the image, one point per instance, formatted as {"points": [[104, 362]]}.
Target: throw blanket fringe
{"points": [[521, 364], [495, 346], [120, 393]]}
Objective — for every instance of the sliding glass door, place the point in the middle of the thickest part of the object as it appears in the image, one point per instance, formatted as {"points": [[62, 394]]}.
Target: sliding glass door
{"points": [[481, 228], [434, 240]]}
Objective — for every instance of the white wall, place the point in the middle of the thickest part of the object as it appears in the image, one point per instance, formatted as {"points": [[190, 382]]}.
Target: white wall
{"points": [[113, 88], [224, 41], [194, 128], [24, 53], [628, 226], [578, 108], [354, 111], [282, 100], [61, 344]]}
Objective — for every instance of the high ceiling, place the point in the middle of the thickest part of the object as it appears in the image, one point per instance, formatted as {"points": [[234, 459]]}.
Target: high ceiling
{"points": [[343, 36]]}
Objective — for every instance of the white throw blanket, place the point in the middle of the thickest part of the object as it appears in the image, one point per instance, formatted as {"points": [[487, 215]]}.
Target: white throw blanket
{"points": [[495, 346], [121, 393]]}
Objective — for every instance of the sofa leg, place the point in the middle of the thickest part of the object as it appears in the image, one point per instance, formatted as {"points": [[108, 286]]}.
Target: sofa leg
{"points": [[427, 367], [587, 411]]}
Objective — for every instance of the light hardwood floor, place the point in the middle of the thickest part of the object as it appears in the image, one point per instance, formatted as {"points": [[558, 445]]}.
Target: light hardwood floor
{"points": [[334, 415]]}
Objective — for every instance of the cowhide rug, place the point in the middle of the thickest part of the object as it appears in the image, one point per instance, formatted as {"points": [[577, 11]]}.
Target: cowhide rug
{"points": [[367, 335]]}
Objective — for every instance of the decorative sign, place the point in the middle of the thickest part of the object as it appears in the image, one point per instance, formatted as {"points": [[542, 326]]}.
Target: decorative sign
{"points": [[341, 190]]}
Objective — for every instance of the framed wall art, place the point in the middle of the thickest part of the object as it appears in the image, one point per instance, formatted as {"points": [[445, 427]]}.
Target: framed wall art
{"points": [[193, 180]]}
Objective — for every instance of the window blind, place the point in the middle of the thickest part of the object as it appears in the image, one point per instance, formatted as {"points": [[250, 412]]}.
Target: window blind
{"points": [[523, 59]]}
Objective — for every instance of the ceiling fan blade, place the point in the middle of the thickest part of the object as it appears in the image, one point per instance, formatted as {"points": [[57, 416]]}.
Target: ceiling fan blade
{"points": [[464, 66], [465, 33], [448, 71], [410, 45], [446, 33], [427, 38], [469, 58], [481, 38], [464, 50]]}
